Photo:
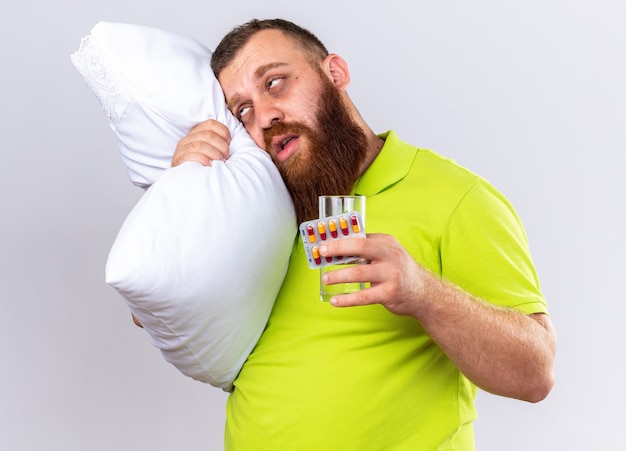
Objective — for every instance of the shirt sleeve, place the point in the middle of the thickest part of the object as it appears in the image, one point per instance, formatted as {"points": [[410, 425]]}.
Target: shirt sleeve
{"points": [[484, 250]]}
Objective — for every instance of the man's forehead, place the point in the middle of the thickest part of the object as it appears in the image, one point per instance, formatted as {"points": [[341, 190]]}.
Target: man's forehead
{"points": [[266, 50], [267, 46]]}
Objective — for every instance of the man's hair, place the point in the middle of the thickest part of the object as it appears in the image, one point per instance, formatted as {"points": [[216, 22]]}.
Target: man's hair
{"points": [[236, 39]]}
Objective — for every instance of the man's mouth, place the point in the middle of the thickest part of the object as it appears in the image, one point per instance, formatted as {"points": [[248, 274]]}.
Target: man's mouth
{"points": [[284, 142], [285, 146]]}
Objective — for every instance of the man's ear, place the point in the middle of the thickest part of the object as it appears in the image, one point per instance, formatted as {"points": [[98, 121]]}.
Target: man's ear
{"points": [[337, 69]]}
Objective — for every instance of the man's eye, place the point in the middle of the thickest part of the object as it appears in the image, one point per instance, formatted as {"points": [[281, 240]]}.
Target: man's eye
{"points": [[273, 82], [241, 112]]}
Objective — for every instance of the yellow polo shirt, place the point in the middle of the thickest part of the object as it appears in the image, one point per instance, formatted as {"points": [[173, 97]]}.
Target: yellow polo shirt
{"points": [[361, 378]]}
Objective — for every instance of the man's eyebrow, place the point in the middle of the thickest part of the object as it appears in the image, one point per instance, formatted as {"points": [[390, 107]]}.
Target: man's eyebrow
{"points": [[261, 70]]}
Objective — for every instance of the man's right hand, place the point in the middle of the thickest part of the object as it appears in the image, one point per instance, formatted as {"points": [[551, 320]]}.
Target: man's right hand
{"points": [[206, 142]]}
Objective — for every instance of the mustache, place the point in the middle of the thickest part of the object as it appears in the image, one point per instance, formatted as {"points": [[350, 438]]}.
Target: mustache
{"points": [[282, 128]]}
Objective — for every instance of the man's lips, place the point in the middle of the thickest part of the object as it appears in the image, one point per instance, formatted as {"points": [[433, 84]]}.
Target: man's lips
{"points": [[285, 146]]}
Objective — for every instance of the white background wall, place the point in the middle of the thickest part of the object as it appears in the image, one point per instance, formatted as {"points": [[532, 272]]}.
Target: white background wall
{"points": [[529, 94]]}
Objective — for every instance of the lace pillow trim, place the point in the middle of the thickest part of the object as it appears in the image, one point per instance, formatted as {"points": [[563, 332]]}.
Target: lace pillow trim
{"points": [[103, 78]]}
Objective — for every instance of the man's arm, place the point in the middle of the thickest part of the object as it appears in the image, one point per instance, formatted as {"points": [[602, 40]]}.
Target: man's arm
{"points": [[502, 351]]}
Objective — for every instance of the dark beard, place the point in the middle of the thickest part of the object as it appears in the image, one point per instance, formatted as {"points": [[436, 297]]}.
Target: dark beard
{"points": [[331, 162]]}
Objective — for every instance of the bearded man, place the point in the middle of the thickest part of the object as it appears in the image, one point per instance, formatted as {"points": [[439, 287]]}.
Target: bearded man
{"points": [[454, 302]]}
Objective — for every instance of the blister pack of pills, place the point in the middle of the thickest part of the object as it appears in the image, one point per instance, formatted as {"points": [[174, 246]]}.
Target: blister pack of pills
{"points": [[319, 231]]}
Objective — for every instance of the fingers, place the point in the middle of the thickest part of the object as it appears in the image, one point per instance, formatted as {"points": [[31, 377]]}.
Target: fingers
{"points": [[372, 248], [207, 141], [352, 273], [394, 276], [368, 296], [373, 273], [202, 151], [384, 286]]}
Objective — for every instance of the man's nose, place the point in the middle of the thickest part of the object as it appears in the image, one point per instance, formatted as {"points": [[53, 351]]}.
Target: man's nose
{"points": [[267, 113]]}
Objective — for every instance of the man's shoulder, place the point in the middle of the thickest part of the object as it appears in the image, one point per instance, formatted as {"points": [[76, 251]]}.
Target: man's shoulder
{"points": [[428, 162], [439, 163]]}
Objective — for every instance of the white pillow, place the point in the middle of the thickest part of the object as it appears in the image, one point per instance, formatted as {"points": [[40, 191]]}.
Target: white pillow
{"points": [[201, 257]]}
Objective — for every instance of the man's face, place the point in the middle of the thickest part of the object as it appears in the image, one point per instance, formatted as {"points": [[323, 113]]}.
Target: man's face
{"points": [[293, 111]]}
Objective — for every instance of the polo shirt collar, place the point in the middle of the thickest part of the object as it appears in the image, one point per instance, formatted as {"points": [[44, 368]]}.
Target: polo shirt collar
{"points": [[390, 166]]}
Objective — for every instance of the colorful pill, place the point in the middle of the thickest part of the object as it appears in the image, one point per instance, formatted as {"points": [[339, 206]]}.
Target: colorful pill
{"points": [[322, 230], [315, 252], [311, 232], [332, 226], [355, 224], [343, 225]]}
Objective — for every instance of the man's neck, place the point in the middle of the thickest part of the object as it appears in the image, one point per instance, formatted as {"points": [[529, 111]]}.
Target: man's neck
{"points": [[374, 145]]}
